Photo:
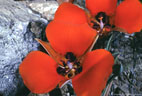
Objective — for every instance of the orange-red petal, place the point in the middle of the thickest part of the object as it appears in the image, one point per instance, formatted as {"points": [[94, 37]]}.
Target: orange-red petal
{"points": [[96, 69], [129, 16], [96, 6], [38, 72], [66, 37], [70, 13]]}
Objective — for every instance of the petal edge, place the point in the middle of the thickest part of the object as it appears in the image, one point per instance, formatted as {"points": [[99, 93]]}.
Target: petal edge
{"points": [[38, 72], [97, 68]]}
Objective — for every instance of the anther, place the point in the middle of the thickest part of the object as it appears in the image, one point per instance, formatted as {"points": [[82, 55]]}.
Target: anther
{"points": [[71, 74]]}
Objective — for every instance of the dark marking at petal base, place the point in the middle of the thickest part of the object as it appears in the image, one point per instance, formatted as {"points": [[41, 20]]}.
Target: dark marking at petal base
{"points": [[70, 67], [70, 56], [61, 71], [79, 70], [96, 26], [105, 17]]}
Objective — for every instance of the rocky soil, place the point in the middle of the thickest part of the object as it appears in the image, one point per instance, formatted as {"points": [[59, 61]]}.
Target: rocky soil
{"points": [[127, 50], [16, 41]]}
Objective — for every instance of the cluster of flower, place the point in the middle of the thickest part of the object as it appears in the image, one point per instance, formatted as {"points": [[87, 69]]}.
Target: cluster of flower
{"points": [[71, 36]]}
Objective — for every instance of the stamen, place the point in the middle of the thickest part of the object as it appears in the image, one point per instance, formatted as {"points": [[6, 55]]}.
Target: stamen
{"points": [[71, 74], [101, 23], [71, 67]]}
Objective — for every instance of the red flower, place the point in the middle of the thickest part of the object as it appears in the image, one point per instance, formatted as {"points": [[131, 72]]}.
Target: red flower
{"points": [[127, 16], [70, 37]]}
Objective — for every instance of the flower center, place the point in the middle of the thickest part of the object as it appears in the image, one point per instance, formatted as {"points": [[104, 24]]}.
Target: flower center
{"points": [[101, 23], [71, 67]]}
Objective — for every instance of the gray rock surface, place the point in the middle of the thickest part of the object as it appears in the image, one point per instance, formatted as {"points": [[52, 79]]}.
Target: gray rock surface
{"points": [[47, 9], [129, 50], [16, 41]]}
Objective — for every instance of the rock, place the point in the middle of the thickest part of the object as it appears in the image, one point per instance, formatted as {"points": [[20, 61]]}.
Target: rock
{"points": [[16, 41], [32, 94], [46, 9], [80, 3], [128, 50], [38, 28]]}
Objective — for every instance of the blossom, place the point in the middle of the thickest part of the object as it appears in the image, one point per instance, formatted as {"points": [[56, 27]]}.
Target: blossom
{"points": [[127, 16], [70, 37]]}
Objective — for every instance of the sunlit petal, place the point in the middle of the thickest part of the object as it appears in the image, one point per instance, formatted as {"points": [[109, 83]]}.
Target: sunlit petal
{"points": [[70, 37], [129, 16], [38, 72], [96, 69], [70, 13]]}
